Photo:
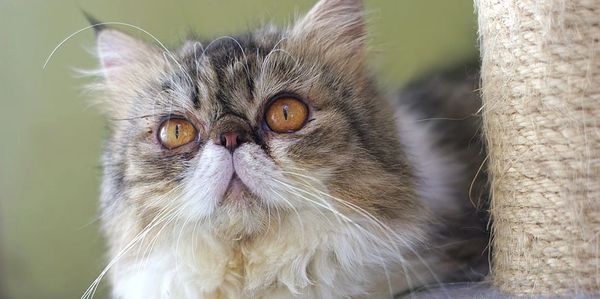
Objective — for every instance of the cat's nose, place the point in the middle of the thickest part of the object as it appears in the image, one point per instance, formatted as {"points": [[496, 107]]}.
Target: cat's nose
{"points": [[230, 132], [231, 140]]}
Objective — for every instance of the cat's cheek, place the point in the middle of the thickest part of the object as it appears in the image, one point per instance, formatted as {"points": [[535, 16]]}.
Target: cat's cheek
{"points": [[207, 180], [279, 148]]}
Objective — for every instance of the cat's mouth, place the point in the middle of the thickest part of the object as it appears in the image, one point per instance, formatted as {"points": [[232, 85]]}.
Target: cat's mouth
{"points": [[235, 189]]}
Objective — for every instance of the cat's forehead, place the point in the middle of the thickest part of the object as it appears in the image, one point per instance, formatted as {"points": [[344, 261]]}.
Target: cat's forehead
{"points": [[239, 74], [220, 75]]}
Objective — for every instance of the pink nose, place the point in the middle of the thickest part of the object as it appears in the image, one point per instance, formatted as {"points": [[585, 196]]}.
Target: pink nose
{"points": [[231, 140]]}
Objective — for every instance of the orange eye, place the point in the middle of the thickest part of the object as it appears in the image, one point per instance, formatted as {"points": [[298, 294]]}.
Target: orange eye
{"points": [[286, 115], [176, 132]]}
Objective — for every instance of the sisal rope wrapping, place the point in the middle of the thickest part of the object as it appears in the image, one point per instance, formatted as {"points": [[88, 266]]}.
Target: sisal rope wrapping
{"points": [[541, 92]]}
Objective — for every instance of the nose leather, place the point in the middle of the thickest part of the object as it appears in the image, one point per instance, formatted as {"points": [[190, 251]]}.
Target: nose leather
{"points": [[230, 140], [231, 131]]}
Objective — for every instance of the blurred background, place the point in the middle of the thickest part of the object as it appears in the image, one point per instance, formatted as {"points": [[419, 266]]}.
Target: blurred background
{"points": [[50, 137]]}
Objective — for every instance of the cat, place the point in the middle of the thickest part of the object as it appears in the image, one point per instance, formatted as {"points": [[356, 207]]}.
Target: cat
{"points": [[270, 165]]}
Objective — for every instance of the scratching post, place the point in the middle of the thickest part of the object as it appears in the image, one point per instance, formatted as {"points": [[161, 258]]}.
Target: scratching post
{"points": [[541, 111]]}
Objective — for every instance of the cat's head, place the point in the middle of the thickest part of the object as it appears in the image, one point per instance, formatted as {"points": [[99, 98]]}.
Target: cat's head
{"points": [[241, 130]]}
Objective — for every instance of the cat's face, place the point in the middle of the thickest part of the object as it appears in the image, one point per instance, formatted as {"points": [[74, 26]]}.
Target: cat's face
{"points": [[241, 130]]}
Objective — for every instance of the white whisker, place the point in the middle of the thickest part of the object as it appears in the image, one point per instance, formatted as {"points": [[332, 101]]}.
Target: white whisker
{"points": [[102, 24], [89, 293]]}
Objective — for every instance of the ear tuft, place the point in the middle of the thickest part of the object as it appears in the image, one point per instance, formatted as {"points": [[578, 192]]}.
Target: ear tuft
{"points": [[334, 22], [95, 23]]}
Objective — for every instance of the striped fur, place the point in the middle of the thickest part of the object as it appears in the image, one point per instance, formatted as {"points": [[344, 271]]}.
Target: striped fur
{"points": [[365, 201]]}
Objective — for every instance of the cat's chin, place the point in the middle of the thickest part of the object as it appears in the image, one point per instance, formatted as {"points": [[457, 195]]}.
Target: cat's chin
{"points": [[240, 214]]}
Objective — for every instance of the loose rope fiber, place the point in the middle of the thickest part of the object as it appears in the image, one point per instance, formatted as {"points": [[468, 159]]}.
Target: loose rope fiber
{"points": [[541, 91]]}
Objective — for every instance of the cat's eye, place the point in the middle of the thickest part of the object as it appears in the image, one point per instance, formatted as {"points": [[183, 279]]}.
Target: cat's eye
{"points": [[176, 132], [286, 115]]}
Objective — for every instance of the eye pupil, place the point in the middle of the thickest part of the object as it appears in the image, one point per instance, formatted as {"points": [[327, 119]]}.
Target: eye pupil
{"points": [[177, 127], [285, 112]]}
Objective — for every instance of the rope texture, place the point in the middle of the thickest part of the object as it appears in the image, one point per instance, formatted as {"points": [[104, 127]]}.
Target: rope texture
{"points": [[541, 91]]}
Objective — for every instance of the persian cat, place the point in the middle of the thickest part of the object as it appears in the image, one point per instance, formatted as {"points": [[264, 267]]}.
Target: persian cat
{"points": [[269, 165]]}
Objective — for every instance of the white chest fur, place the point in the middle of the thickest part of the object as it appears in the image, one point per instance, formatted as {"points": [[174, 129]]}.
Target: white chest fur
{"points": [[318, 258]]}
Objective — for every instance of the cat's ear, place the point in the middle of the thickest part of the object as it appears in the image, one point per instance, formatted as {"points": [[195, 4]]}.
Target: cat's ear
{"points": [[126, 63], [334, 23], [120, 54]]}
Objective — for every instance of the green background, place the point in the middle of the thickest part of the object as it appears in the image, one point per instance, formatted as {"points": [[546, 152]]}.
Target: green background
{"points": [[50, 136]]}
